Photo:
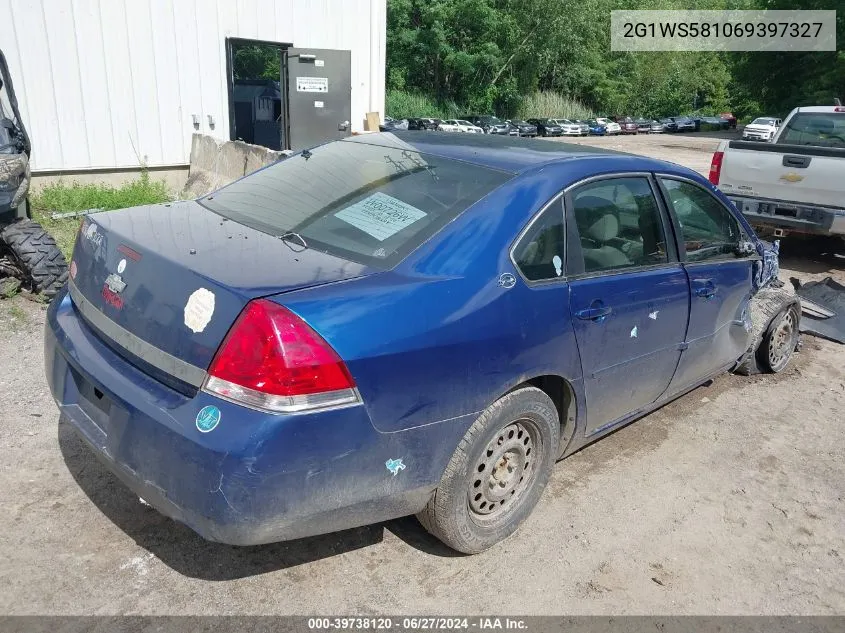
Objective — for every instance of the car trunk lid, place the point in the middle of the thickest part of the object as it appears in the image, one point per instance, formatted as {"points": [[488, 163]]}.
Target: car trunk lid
{"points": [[164, 283]]}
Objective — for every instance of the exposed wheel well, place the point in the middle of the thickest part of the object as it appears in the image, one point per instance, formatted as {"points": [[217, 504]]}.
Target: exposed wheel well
{"points": [[562, 394]]}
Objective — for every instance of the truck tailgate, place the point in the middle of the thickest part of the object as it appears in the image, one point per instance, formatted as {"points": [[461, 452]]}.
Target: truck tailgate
{"points": [[804, 174]]}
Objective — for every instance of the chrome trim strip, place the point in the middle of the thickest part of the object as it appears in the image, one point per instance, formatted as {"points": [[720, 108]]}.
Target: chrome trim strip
{"points": [[286, 409], [161, 360], [607, 176]]}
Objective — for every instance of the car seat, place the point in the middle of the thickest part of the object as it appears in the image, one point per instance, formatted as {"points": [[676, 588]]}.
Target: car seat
{"points": [[598, 226]]}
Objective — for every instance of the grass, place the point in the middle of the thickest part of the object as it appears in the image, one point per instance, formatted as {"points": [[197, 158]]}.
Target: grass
{"points": [[553, 105], [402, 105], [61, 197], [12, 316]]}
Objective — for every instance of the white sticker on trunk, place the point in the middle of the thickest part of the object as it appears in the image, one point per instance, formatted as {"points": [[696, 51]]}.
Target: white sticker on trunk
{"points": [[380, 215], [312, 84], [199, 309], [318, 104], [319, 63]]}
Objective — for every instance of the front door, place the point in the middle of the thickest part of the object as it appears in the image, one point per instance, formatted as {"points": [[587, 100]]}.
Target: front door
{"points": [[319, 96], [720, 281], [629, 296]]}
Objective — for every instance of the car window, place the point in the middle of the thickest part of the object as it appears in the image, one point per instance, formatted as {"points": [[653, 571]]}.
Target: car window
{"points": [[619, 225], [539, 253], [821, 129], [368, 203], [709, 231]]}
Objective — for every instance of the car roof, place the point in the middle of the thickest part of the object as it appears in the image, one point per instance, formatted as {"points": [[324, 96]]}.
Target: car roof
{"points": [[504, 153]]}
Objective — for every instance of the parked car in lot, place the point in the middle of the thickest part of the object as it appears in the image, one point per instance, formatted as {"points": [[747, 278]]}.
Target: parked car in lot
{"points": [[656, 127], [714, 123], [489, 124], [546, 127], [684, 124], [271, 388], [669, 125], [628, 125], [761, 129], [794, 184], [596, 128], [730, 118], [524, 128], [450, 125], [467, 126], [611, 127], [570, 128], [643, 126], [422, 124], [393, 124], [584, 125]]}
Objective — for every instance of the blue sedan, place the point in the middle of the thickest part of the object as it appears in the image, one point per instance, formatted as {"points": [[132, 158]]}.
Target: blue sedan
{"points": [[398, 324], [596, 128]]}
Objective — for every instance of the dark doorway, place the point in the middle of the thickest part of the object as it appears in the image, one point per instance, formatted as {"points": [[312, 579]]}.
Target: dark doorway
{"points": [[257, 102]]}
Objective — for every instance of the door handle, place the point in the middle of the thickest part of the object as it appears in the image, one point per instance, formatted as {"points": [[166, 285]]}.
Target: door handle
{"points": [[706, 290], [597, 312], [801, 162]]}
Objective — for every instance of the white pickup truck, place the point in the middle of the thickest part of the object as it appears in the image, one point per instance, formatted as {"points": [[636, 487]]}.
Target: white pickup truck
{"points": [[796, 182]]}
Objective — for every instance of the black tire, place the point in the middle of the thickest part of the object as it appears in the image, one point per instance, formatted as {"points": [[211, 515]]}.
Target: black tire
{"points": [[780, 340], [517, 436], [35, 253]]}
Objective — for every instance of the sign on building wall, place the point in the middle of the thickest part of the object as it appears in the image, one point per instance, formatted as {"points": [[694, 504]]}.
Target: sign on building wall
{"points": [[312, 84]]}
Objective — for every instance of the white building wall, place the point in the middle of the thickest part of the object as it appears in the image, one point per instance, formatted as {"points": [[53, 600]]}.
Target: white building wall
{"points": [[105, 84]]}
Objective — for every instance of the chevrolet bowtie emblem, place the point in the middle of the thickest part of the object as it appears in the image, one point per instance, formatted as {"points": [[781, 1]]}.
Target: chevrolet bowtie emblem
{"points": [[115, 283], [792, 177]]}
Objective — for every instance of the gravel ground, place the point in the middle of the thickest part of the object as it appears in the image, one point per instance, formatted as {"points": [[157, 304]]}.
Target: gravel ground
{"points": [[727, 501]]}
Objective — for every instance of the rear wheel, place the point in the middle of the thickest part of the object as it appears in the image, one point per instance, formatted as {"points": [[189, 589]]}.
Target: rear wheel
{"points": [[33, 252], [497, 474]]}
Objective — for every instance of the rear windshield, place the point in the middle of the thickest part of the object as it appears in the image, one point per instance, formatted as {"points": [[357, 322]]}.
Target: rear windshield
{"points": [[371, 204], [821, 129]]}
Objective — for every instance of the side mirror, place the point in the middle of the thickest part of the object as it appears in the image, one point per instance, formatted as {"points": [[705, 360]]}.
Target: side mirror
{"points": [[744, 248]]}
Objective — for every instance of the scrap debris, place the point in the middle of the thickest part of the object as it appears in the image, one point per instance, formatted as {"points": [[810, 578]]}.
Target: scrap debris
{"points": [[823, 305]]}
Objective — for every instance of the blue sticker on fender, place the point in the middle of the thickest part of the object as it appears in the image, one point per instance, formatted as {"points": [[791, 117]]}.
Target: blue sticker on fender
{"points": [[208, 418]]}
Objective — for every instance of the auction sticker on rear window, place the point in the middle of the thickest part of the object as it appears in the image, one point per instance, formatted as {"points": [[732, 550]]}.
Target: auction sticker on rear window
{"points": [[380, 215]]}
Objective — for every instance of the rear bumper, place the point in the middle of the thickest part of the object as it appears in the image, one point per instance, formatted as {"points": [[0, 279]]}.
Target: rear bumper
{"points": [[257, 477], [768, 215]]}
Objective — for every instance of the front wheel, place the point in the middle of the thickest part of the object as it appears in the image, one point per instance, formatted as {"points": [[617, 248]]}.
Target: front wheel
{"points": [[497, 474], [780, 340]]}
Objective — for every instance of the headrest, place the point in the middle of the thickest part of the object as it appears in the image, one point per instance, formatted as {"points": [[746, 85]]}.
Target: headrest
{"points": [[597, 220]]}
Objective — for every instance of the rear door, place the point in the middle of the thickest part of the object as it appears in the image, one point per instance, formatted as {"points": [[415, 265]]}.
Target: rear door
{"points": [[720, 280], [629, 295], [319, 96]]}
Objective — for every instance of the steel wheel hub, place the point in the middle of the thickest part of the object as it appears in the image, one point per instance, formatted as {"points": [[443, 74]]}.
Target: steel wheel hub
{"points": [[504, 470], [782, 340]]}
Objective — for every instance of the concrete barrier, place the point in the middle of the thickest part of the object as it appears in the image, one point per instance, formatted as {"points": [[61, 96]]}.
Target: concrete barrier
{"points": [[215, 163]]}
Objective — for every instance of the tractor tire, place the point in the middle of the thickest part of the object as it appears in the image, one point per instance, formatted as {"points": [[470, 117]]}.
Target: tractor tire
{"points": [[34, 252]]}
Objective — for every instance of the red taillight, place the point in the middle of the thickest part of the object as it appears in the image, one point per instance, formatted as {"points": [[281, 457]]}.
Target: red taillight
{"points": [[716, 167], [272, 360]]}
